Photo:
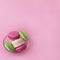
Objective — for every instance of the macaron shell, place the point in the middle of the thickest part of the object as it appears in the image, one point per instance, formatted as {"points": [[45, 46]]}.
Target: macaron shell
{"points": [[9, 46], [21, 48], [23, 35], [13, 35]]}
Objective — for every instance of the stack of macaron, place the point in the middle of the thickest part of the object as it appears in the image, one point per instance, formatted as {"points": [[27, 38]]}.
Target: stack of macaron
{"points": [[16, 41]]}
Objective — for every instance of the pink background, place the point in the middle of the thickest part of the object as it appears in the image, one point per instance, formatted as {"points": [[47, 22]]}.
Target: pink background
{"points": [[41, 20]]}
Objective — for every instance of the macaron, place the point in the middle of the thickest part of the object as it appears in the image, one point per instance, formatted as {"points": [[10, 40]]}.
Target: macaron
{"points": [[13, 35], [18, 42], [23, 35], [9, 46], [21, 48]]}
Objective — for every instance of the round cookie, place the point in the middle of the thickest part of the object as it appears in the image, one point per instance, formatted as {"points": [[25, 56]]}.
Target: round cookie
{"points": [[20, 48], [23, 35], [18, 42], [13, 35], [9, 46]]}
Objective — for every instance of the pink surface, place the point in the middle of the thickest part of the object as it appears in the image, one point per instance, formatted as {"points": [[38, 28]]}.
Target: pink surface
{"points": [[41, 20]]}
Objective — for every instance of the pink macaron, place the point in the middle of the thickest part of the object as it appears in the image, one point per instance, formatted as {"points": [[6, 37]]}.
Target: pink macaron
{"points": [[13, 35], [20, 48]]}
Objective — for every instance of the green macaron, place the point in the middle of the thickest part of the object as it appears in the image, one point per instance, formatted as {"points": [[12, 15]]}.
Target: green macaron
{"points": [[9, 46], [23, 35]]}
